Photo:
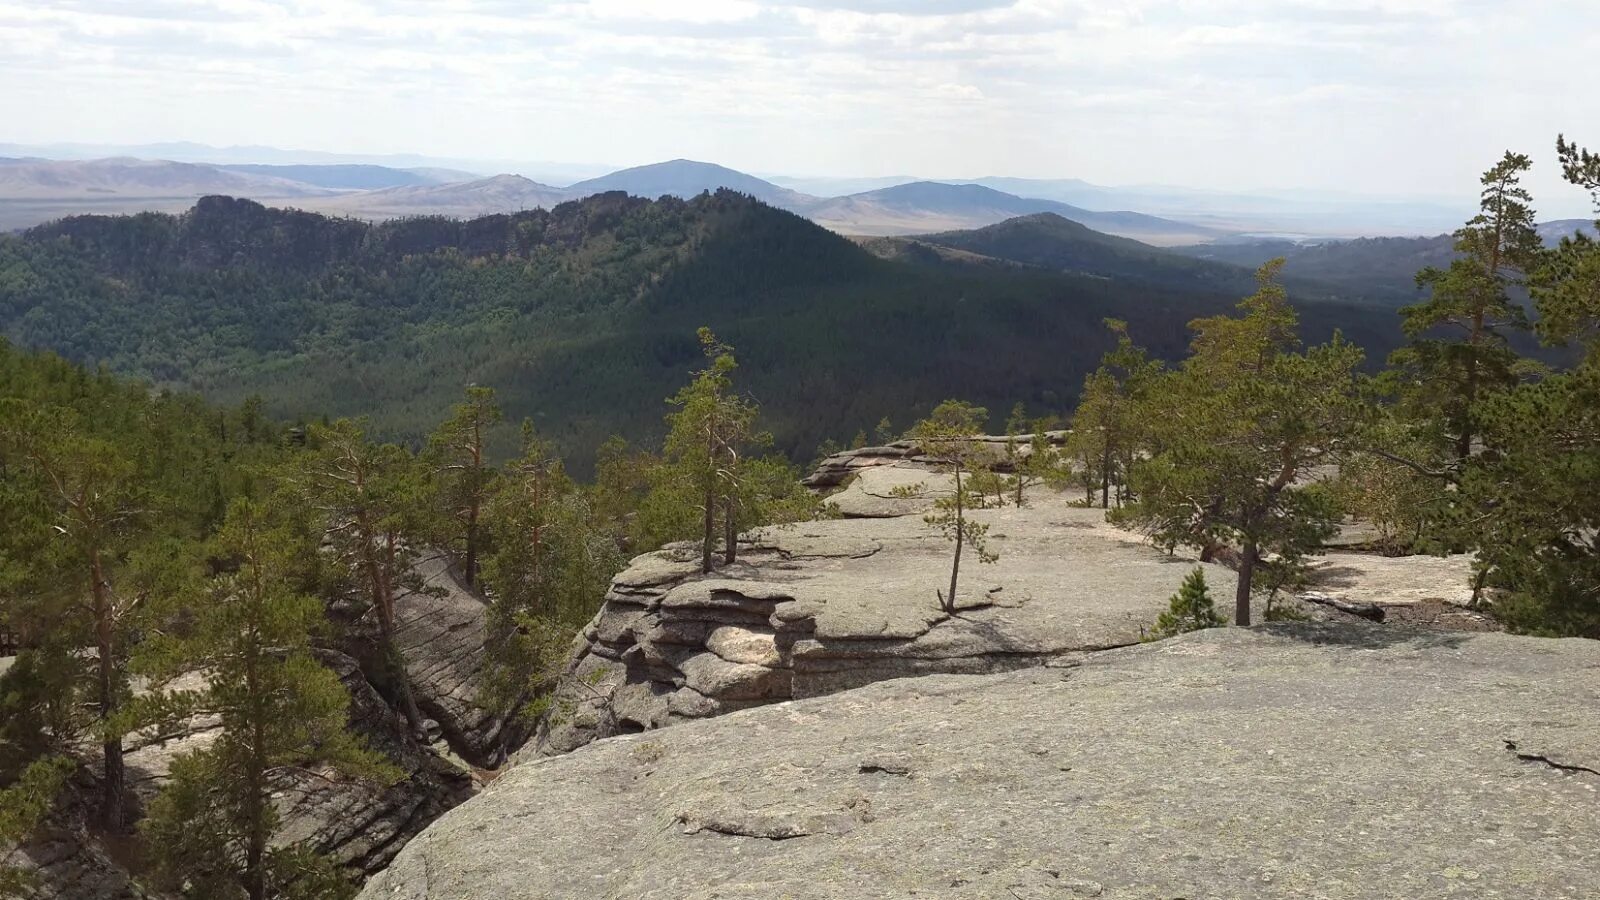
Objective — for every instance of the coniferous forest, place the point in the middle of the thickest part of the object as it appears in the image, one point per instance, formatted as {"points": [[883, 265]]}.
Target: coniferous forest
{"points": [[582, 318]]}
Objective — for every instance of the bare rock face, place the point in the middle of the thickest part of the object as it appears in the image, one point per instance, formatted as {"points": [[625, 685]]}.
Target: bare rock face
{"points": [[837, 469], [441, 631], [63, 861], [820, 607], [1332, 761]]}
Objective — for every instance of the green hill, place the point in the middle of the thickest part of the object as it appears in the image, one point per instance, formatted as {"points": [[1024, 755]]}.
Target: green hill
{"points": [[1050, 241], [583, 316]]}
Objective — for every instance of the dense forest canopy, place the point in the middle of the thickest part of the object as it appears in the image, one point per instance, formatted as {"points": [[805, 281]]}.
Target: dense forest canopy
{"points": [[582, 317]]}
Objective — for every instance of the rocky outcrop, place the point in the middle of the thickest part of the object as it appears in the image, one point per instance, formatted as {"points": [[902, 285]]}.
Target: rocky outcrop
{"points": [[63, 860], [826, 606], [840, 467], [440, 629], [1332, 761], [362, 825]]}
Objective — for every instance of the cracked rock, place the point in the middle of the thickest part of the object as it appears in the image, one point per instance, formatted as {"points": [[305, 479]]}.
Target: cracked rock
{"points": [[1344, 762]]}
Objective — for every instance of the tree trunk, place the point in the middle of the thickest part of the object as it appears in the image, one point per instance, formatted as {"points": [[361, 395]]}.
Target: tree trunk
{"points": [[256, 779], [710, 536], [391, 655], [255, 871], [961, 532], [1105, 478], [730, 531], [111, 804], [471, 565], [1247, 572]]}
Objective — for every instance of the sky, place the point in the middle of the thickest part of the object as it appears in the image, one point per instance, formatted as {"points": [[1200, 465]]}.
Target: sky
{"points": [[1401, 97]]}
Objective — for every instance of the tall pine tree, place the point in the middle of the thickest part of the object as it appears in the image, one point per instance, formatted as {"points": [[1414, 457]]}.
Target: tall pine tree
{"points": [[249, 630]]}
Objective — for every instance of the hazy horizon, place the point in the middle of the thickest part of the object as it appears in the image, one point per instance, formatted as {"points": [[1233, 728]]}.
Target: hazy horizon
{"points": [[1407, 96]]}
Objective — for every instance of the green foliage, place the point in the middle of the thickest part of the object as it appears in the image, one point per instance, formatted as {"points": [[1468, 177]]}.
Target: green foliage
{"points": [[945, 436], [1459, 349], [1190, 609], [457, 456], [1235, 432], [576, 315], [371, 499], [23, 808], [553, 558], [1381, 485], [249, 630], [1108, 428], [1540, 490]]}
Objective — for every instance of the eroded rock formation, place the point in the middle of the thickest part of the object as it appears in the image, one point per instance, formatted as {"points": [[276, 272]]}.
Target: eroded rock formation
{"points": [[825, 606], [441, 630]]}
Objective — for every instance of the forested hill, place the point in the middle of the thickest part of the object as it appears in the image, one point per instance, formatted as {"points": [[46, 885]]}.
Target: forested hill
{"points": [[583, 316]]}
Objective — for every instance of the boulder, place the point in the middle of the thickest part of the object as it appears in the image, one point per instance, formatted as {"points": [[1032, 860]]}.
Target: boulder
{"points": [[1337, 761]]}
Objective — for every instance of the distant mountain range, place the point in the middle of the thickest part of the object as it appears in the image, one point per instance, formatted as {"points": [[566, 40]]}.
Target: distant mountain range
{"points": [[1375, 269], [47, 179], [931, 205], [353, 177], [462, 199], [35, 190]]}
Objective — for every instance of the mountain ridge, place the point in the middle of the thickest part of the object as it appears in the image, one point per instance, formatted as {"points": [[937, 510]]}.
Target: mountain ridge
{"points": [[581, 315]]}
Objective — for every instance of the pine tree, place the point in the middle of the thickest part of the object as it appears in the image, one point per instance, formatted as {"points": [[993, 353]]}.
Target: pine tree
{"points": [[1190, 609], [81, 510], [1236, 429], [370, 497], [1459, 349], [1015, 457], [705, 441], [457, 455], [884, 431], [553, 558], [1107, 429], [249, 630], [946, 437], [1531, 501], [24, 805]]}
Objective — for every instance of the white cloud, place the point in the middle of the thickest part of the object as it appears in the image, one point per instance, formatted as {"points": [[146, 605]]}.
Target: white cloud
{"points": [[1225, 93]]}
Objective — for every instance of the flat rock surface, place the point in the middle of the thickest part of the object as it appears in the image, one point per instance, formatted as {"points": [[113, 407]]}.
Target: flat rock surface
{"points": [[1393, 580], [1329, 761]]}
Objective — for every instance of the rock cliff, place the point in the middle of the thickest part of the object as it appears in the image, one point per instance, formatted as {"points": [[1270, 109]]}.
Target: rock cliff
{"points": [[1311, 760], [440, 629], [825, 606]]}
